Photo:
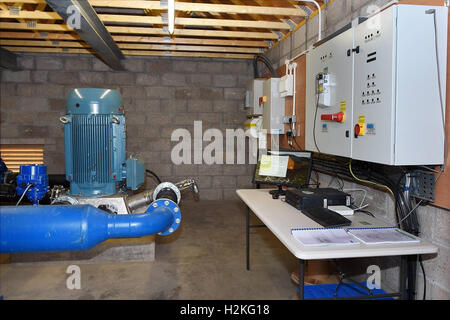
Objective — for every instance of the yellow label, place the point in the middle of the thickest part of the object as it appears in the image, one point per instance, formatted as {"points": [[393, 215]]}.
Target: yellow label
{"points": [[343, 106], [362, 119], [266, 162]]}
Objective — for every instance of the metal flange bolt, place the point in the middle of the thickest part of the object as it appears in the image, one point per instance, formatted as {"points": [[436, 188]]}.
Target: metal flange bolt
{"points": [[166, 204]]}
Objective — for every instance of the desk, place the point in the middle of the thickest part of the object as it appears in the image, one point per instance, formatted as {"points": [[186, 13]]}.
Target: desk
{"points": [[280, 217]]}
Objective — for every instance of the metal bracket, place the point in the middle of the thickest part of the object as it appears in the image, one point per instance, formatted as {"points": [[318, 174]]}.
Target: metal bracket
{"points": [[279, 34], [31, 24], [307, 10], [14, 10], [164, 4], [164, 17], [422, 185], [290, 23]]}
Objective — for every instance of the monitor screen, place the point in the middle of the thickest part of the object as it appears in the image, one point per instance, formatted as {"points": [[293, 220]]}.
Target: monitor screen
{"points": [[284, 168]]}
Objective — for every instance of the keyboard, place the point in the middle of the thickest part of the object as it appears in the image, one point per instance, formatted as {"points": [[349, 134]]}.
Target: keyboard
{"points": [[326, 218]]}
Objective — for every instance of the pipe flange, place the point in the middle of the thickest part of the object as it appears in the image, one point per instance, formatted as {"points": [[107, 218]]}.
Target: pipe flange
{"points": [[65, 199], [167, 185], [172, 206]]}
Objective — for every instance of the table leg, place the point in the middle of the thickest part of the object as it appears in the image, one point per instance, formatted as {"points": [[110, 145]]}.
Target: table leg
{"points": [[403, 277], [248, 238], [301, 280]]}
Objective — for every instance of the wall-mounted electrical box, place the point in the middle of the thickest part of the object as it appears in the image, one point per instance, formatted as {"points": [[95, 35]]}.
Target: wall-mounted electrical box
{"points": [[329, 96], [287, 85], [393, 115], [397, 117], [273, 107], [253, 95]]}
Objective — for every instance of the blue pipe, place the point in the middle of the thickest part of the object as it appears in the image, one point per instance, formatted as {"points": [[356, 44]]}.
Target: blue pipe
{"points": [[80, 227]]}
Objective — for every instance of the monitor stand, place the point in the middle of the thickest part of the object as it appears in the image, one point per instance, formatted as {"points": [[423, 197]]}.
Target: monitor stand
{"points": [[277, 193]]}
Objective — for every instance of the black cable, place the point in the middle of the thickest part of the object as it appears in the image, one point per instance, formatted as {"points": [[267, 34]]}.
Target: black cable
{"points": [[424, 278], [295, 141], [266, 61], [314, 127], [153, 174]]}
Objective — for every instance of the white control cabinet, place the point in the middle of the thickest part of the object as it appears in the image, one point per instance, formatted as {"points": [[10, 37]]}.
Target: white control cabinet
{"points": [[252, 97], [397, 114], [329, 91], [273, 107], [389, 86]]}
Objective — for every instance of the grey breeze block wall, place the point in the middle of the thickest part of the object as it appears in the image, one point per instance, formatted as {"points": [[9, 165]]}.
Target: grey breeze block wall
{"points": [[160, 95], [434, 222]]}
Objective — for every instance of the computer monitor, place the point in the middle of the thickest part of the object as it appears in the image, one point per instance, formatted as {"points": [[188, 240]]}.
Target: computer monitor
{"points": [[284, 169]]}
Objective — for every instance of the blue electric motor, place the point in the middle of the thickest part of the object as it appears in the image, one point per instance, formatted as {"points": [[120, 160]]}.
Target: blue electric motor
{"points": [[95, 144], [33, 180]]}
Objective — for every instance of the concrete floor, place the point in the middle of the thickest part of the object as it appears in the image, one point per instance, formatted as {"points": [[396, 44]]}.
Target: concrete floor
{"points": [[204, 259]]}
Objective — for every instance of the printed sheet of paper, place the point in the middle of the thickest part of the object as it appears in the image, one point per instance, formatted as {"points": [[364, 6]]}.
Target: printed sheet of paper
{"points": [[323, 237], [273, 166]]}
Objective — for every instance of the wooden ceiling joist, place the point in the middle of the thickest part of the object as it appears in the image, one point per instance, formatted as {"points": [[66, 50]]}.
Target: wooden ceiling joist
{"points": [[137, 39], [216, 29], [134, 52], [189, 6], [145, 30], [137, 46], [119, 18]]}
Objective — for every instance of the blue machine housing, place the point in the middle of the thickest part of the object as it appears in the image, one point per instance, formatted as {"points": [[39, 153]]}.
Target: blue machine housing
{"points": [[36, 175], [95, 144]]}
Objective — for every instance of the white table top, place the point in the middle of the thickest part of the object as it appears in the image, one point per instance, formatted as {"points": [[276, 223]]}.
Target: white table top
{"points": [[280, 218]]}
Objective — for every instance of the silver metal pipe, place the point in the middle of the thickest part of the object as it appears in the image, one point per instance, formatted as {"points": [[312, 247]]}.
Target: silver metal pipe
{"points": [[140, 199]]}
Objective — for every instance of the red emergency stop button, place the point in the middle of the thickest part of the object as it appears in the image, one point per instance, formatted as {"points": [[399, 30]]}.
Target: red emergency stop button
{"points": [[338, 117], [357, 130], [360, 129]]}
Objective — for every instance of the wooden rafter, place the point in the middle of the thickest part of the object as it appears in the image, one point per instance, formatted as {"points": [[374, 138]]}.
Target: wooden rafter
{"points": [[145, 30], [216, 28], [134, 46], [138, 39], [133, 52], [189, 6], [40, 15]]}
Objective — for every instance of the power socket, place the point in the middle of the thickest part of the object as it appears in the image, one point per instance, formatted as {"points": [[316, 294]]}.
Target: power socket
{"points": [[289, 119]]}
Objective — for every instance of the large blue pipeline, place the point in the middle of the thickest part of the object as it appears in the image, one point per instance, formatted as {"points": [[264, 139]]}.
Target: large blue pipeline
{"points": [[79, 227], [96, 166]]}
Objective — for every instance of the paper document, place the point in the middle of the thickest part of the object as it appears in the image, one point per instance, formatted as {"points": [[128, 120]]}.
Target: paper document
{"points": [[382, 235], [273, 166], [323, 237]]}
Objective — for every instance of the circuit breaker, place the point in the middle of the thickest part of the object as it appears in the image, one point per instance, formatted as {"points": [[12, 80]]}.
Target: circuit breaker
{"points": [[329, 96], [252, 97], [397, 115], [273, 107]]}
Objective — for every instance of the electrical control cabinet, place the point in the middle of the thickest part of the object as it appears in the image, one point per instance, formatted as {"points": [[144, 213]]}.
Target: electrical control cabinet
{"points": [[329, 93], [253, 96], [397, 115], [273, 107], [383, 74]]}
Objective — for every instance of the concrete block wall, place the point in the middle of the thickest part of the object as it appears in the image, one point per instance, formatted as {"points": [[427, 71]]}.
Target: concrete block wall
{"points": [[160, 95], [434, 222]]}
